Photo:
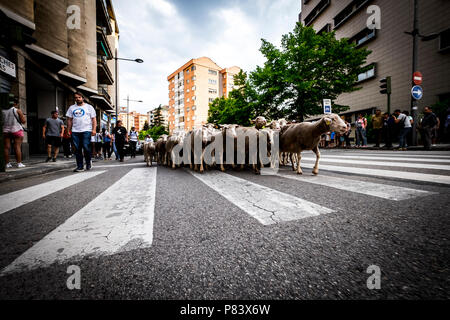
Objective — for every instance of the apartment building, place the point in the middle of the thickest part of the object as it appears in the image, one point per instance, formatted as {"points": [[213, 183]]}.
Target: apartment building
{"points": [[164, 115], [134, 119], [192, 87], [52, 49], [391, 48]]}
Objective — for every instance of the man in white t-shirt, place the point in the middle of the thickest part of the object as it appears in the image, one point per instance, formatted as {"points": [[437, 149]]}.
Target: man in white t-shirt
{"points": [[82, 124], [405, 128]]}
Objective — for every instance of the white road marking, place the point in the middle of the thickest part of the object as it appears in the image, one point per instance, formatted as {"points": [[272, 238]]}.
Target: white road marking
{"points": [[400, 154], [380, 158], [18, 198], [120, 219], [142, 164], [359, 186], [381, 163], [267, 205], [422, 177]]}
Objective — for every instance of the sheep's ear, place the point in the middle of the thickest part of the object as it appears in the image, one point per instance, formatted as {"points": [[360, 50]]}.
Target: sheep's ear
{"points": [[252, 121]]}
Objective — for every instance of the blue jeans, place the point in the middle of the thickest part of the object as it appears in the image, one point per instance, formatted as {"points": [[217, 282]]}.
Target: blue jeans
{"points": [[115, 151], [361, 135], [82, 142], [402, 137]]}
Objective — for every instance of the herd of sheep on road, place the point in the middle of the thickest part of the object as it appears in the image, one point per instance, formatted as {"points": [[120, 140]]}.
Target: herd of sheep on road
{"points": [[293, 138]]}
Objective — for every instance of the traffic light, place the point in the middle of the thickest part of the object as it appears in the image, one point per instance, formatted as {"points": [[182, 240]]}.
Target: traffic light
{"points": [[385, 85]]}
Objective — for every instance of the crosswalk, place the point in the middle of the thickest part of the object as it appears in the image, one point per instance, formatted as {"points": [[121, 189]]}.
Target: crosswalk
{"points": [[117, 221]]}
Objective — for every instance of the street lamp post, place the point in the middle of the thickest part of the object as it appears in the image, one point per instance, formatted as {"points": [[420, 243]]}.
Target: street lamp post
{"points": [[117, 99], [128, 106]]}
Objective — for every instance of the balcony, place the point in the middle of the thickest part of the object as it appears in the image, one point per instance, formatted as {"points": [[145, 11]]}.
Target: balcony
{"points": [[103, 18], [103, 92], [104, 74], [316, 11], [103, 47]]}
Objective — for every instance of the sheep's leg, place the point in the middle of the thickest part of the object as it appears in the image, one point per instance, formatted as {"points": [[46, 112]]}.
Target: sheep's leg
{"points": [[201, 161], [316, 166], [299, 158], [291, 155]]}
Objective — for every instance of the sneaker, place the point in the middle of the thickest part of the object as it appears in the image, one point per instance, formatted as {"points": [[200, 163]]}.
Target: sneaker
{"points": [[48, 159], [54, 159], [78, 170], [88, 167], [9, 165], [20, 165]]}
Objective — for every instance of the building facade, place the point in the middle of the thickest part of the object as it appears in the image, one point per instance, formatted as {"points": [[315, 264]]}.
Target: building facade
{"points": [[164, 115], [134, 119], [391, 47], [192, 87], [55, 48]]}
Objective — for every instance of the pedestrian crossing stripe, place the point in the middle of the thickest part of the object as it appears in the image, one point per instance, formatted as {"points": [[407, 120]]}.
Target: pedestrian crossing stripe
{"points": [[111, 223], [19, 198], [357, 157]]}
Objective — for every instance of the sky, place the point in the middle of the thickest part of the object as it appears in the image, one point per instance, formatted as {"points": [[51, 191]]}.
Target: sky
{"points": [[168, 33]]}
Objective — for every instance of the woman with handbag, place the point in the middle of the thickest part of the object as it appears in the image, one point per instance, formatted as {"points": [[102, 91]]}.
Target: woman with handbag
{"points": [[13, 119]]}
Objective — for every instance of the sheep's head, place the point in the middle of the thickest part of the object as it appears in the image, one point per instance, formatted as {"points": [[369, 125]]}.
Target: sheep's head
{"points": [[335, 123], [259, 122]]}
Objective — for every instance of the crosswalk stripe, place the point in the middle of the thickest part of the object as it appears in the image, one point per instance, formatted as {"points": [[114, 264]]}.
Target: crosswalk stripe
{"points": [[381, 163], [142, 164], [400, 154], [380, 158], [18, 198], [117, 220], [363, 187], [267, 205], [406, 175]]}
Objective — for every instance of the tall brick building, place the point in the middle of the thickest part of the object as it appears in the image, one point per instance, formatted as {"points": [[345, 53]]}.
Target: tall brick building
{"points": [[391, 48]]}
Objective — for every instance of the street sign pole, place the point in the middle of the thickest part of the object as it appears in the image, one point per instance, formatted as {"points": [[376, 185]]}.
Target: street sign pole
{"points": [[414, 69]]}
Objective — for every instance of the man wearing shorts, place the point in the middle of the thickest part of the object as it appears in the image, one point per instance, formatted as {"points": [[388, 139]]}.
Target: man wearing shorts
{"points": [[52, 133]]}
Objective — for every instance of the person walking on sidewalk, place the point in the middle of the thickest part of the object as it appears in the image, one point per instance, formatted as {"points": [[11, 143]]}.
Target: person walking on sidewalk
{"points": [[52, 133], [81, 123], [377, 124], [107, 144], [429, 121], [361, 125], [134, 138], [120, 135], [66, 142], [13, 119], [405, 127]]}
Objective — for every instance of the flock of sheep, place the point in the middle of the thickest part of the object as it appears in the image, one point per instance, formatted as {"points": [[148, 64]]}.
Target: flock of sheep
{"points": [[282, 141]]}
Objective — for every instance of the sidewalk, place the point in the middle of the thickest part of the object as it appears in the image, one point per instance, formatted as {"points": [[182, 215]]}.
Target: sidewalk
{"points": [[36, 165]]}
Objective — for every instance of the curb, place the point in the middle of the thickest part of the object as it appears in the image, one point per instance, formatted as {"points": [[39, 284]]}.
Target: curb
{"points": [[4, 177]]}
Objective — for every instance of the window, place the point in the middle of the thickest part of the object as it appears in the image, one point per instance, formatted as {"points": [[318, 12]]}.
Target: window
{"points": [[187, 90], [194, 78], [368, 74], [193, 108], [212, 81], [193, 88], [187, 109], [193, 68], [187, 71], [212, 91], [194, 117], [321, 6], [187, 100], [211, 100], [444, 40], [326, 28], [194, 98], [363, 36], [348, 12], [214, 72], [187, 81]]}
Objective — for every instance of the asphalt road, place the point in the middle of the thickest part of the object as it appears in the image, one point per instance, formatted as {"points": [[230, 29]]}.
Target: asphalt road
{"points": [[174, 234]]}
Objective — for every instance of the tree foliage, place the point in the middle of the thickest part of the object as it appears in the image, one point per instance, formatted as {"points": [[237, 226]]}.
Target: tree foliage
{"points": [[154, 132], [157, 117], [146, 126]]}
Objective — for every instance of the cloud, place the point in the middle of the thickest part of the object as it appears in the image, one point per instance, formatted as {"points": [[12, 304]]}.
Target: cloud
{"points": [[168, 33]]}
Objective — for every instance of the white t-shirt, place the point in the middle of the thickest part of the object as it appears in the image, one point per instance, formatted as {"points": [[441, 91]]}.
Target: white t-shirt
{"points": [[405, 119], [81, 116], [134, 136]]}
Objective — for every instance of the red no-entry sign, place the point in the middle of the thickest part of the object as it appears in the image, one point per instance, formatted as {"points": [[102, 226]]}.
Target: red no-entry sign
{"points": [[417, 78]]}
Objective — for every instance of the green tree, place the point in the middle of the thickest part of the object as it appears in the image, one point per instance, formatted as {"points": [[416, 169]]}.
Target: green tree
{"points": [[157, 117], [146, 126], [308, 68]]}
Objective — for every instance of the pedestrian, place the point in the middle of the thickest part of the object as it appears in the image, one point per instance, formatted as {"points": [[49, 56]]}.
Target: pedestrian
{"points": [[409, 135], [429, 121], [13, 119], [435, 132], [404, 125], [377, 125], [447, 126], [134, 138], [361, 125], [120, 136], [388, 123], [107, 144], [81, 123], [52, 133], [148, 139], [67, 142], [98, 145], [347, 134]]}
